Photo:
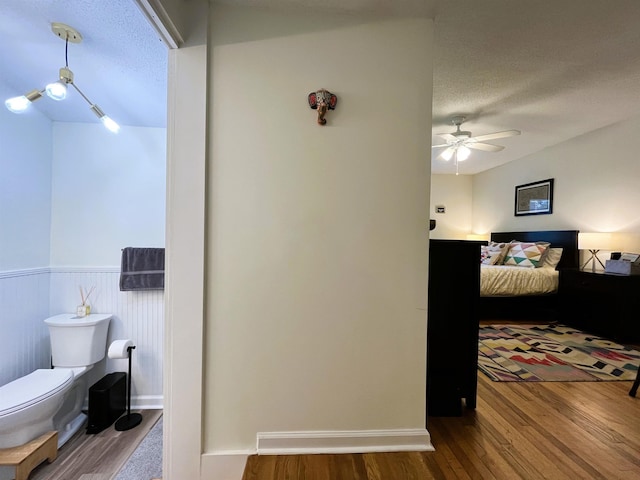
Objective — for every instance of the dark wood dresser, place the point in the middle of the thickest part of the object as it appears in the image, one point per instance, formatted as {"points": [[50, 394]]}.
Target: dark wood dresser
{"points": [[452, 328], [603, 304]]}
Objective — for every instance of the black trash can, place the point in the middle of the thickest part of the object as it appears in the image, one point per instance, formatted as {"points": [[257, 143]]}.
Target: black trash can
{"points": [[107, 401]]}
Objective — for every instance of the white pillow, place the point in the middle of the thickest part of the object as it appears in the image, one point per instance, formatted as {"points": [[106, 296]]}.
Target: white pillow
{"points": [[552, 258]]}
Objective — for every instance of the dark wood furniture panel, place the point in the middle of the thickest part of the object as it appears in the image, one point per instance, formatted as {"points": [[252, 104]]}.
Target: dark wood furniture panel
{"points": [[534, 307], [603, 304], [565, 239], [452, 329]]}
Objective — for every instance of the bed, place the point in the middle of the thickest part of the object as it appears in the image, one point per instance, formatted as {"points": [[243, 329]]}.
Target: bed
{"points": [[516, 292]]}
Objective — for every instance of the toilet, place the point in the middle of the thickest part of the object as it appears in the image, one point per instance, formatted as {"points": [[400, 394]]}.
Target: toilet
{"points": [[52, 399]]}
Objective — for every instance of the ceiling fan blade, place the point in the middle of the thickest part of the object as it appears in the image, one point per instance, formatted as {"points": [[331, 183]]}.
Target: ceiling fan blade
{"points": [[486, 147], [441, 145], [446, 136], [493, 136]]}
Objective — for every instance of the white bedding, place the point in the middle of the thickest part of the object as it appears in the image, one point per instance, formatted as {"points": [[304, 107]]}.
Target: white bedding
{"points": [[506, 280]]}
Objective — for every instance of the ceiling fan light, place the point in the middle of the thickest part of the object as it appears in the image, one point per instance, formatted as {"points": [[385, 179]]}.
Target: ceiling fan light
{"points": [[447, 154], [56, 91], [463, 153]]}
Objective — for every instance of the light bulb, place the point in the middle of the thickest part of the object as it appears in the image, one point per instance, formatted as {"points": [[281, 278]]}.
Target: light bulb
{"points": [[105, 119], [21, 103], [447, 154], [17, 104], [110, 124], [57, 91], [463, 153]]}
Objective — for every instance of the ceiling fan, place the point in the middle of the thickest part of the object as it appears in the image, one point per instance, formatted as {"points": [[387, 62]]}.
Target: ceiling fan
{"points": [[460, 142]]}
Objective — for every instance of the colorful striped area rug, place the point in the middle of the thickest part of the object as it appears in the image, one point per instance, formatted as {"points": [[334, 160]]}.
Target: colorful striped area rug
{"points": [[552, 353]]}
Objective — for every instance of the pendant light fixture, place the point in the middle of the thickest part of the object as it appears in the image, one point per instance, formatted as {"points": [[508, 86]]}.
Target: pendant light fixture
{"points": [[58, 89]]}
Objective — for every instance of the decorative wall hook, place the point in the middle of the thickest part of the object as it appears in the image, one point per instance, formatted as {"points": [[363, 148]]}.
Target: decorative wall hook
{"points": [[322, 100]]}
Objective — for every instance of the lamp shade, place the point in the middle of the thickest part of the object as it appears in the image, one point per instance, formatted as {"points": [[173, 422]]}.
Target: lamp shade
{"points": [[595, 241], [463, 153]]}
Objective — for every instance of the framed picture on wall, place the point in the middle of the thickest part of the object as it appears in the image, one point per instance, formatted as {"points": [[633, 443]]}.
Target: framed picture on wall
{"points": [[534, 198]]}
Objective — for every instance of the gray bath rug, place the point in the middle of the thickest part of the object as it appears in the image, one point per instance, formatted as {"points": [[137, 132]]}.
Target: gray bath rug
{"points": [[146, 461]]}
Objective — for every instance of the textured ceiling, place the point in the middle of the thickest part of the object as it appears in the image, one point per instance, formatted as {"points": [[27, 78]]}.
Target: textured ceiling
{"points": [[554, 69]]}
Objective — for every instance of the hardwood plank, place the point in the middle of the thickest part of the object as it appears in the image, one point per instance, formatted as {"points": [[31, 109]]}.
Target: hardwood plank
{"points": [[556, 430], [96, 457], [578, 430], [405, 465], [582, 428]]}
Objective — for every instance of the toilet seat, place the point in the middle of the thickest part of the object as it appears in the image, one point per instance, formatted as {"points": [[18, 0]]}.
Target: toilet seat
{"points": [[33, 388]]}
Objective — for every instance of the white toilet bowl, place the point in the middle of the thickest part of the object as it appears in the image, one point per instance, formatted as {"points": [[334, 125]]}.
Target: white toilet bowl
{"points": [[52, 399], [28, 405]]}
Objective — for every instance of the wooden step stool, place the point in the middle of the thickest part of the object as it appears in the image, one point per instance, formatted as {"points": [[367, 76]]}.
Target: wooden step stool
{"points": [[28, 456]]}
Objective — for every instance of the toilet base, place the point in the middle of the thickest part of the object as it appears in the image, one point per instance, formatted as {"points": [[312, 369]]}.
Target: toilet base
{"points": [[71, 428]]}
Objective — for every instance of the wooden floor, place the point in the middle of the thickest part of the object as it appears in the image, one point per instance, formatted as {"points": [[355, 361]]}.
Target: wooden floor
{"points": [[96, 457], [551, 430], [532, 431]]}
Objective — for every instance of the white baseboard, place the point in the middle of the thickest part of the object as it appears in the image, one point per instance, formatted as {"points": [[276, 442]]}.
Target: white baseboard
{"points": [[229, 465], [357, 441], [226, 465], [147, 402]]}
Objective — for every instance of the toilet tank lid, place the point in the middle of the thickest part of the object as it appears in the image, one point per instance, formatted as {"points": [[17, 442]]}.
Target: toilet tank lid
{"points": [[32, 388], [72, 320]]}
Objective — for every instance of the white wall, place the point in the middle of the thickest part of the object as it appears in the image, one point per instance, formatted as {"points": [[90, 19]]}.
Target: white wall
{"points": [[317, 236], [108, 192], [25, 219], [596, 185], [454, 192], [25, 189], [73, 195]]}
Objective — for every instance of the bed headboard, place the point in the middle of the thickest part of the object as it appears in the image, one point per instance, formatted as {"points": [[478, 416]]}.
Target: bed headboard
{"points": [[567, 239]]}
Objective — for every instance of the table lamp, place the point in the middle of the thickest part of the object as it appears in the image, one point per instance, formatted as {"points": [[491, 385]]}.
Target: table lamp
{"points": [[594, 242]]}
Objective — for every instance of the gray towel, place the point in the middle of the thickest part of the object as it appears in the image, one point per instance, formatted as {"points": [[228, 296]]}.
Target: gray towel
{"points": [[142, 269]]}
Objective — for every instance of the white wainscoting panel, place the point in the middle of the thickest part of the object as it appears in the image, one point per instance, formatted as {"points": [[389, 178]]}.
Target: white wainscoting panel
{"points": [[138, 316], [24, 338]]}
